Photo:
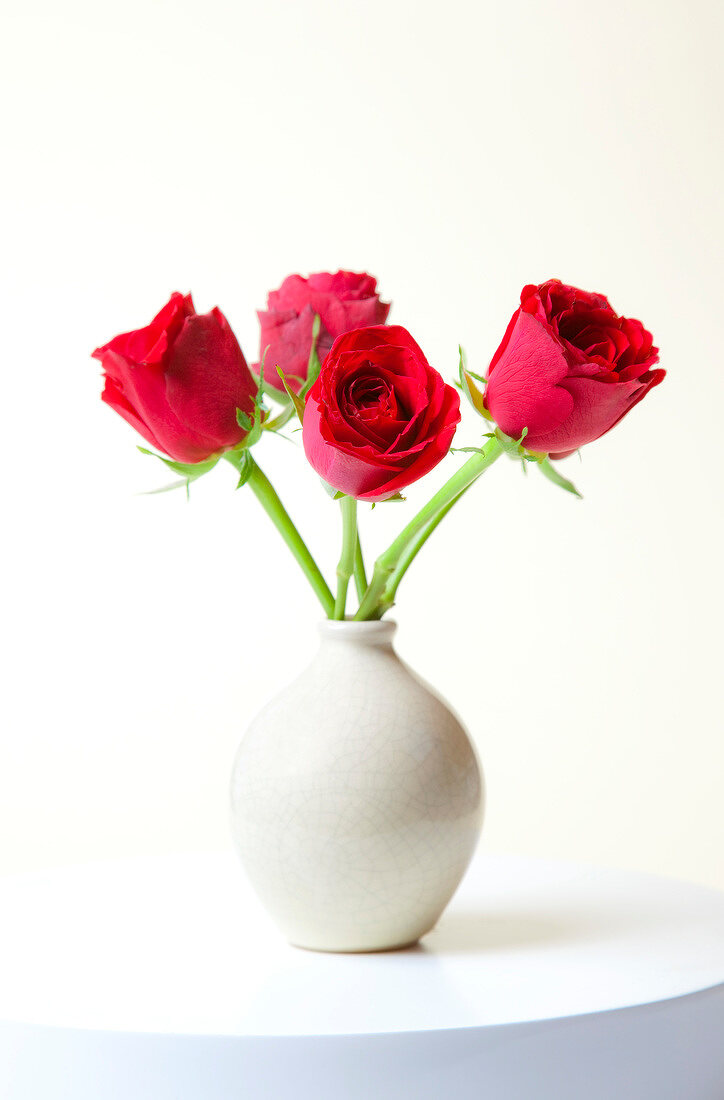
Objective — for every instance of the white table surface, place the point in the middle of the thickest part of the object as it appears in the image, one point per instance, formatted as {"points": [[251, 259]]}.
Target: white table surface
{"points": [[116, 970]]}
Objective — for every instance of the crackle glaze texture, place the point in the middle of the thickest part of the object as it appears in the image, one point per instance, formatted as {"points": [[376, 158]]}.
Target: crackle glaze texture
{"points": [[357, 798]]}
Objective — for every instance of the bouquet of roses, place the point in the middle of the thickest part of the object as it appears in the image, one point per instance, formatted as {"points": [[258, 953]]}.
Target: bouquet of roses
{"points": [[375, 415]]}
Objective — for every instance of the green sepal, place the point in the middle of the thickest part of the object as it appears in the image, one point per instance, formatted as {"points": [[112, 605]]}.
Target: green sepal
{"points": [[277, 422], [245, 466], [259, 379], [253, 424], [516, 449], [513, 447], [184, 484], [188, 470], [395, 499], [330, 490], [281, 398], [297, 401], [313, 364], [471, 391], [294, 402], [242, 462], [547, 468]]}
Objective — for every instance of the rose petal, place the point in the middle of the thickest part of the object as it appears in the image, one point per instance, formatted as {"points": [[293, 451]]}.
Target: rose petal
{"points": [[207, 379], [524, 390], [597, 407]]}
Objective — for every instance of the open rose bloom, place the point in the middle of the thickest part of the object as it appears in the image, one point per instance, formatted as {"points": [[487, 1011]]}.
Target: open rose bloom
{"points": [[379, 416], [568, 369], [376, 416]]}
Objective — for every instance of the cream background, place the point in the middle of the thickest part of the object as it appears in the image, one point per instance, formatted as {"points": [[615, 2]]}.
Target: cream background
{"points": [[457, 151]]}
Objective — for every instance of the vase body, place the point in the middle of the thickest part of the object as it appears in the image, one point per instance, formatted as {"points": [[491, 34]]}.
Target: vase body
{"points": [[357, 798]]}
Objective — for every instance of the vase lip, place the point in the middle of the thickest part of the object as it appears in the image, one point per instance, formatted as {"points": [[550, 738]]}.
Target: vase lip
{"points": [[371, 631]]}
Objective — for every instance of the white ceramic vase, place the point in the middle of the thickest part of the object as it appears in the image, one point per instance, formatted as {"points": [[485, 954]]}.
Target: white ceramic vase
{"points": [[357, 798]]}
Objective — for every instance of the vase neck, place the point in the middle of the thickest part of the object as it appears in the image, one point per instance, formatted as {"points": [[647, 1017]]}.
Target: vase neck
{"points": [[371, 635]]}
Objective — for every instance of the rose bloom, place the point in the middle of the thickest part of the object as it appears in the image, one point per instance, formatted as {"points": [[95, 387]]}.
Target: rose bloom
{"points": [[379, 416], [343, 301], [568, 369], [179, 381]]}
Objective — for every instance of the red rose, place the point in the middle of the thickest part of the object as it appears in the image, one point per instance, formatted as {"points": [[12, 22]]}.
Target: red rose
{"points": [[343, 301], [379, 416], [568, 369], [179, 381]]}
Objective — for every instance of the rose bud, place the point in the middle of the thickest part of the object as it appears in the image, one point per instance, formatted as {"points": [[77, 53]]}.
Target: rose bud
{"points": [[378, 416], [343, 301], [179, 381], [568, 369]]}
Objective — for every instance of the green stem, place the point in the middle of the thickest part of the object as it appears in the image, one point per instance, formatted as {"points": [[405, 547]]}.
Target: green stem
{"points": [[360, 577], [373, 605], [265, 493], [345, 569], [413, 549]]}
